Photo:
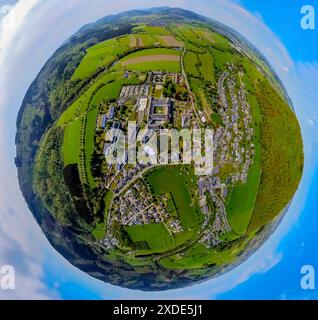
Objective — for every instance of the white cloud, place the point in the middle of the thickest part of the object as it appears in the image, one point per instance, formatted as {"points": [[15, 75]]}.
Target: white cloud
{"points": [[21, 241], [11, 22], [311, 122]]}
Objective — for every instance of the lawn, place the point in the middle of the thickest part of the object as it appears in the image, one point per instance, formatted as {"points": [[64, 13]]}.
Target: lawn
{"points": [[157, 237], [179, 183], [71, 144]]}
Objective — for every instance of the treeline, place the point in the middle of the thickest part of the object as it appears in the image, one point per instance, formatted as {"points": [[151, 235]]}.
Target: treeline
{"points": [[50, 94], [282, 156], [49, 180]]}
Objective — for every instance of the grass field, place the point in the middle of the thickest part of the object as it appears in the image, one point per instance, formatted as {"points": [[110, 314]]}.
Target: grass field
{"points": [[221, 58], [213, 39], [202, 102], [108, 51], [146, 40], [100, 230], [190, 64], [152, 58], [242, 203], [100, 55], [159, 59], [71, 144], [151, 30], [207, 66], [73, 116], [152, 52], [111, 90], [89, 144], [169, 41], [108, 199], [105, 88], [132, 41], [173, 179], [189, 34], [81, 104], [199, 256], [193, 48], [241, 206], [157, 237], [168, 66]]}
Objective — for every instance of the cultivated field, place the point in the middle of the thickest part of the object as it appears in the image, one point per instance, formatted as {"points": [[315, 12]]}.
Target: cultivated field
{"points": [[101, 55], [160, 59], [132, 41], [152, 58], [169, 41]]}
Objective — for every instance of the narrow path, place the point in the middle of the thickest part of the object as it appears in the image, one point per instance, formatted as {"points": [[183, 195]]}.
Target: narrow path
{"points": [[188, 85]]}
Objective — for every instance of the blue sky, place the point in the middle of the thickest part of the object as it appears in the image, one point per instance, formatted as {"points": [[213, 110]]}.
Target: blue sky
{"points": [[273, 272], [283, 18]]}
